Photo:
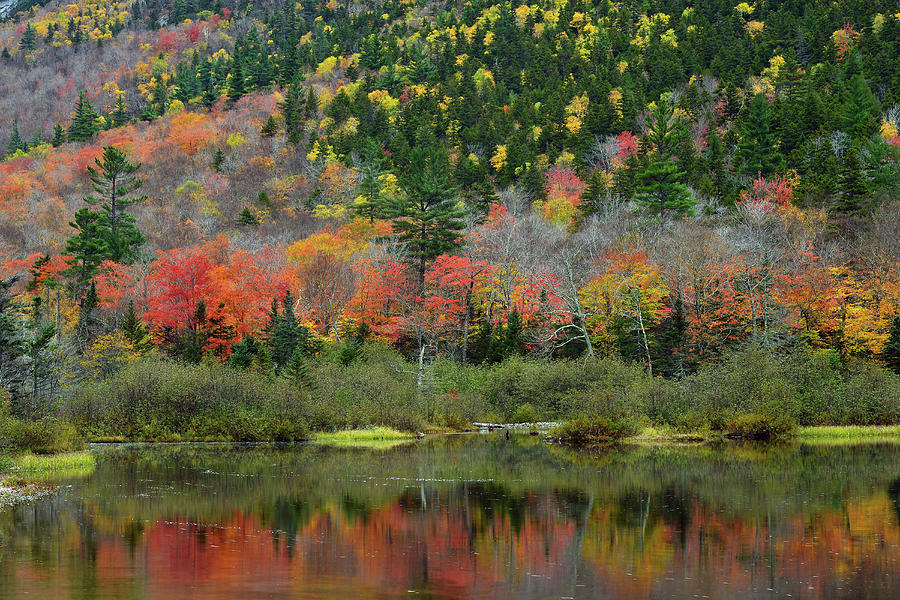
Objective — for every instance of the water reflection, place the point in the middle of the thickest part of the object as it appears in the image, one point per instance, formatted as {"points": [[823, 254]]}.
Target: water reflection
{"points": [[475, 517]]}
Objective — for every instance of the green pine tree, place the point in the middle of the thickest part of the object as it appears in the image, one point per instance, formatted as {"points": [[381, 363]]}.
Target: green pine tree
{"points": [[292, 112], [426, 218], [88, 247], [16, 143], [236, 82], [59, 136], [660, 184], [853, 189], [757, 149], [134, 329], [891, 352], [370, 203], [113, 180], [297, 370], [218, 160], [269, 128], [120, 114], [84, 124], [29, 39]]}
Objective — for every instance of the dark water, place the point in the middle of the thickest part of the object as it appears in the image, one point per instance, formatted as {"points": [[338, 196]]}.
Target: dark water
{"points": [[464, 517]]}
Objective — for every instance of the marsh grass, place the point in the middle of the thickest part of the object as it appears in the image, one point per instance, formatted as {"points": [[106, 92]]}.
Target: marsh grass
{"points": [[850, 433], [377, 438]]}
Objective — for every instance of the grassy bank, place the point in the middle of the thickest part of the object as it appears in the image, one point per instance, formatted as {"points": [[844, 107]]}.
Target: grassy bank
{"points": [[751, 394]]}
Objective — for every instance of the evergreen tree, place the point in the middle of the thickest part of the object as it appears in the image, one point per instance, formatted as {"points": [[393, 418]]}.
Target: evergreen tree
{"points": [[891, 353], [59, 136], [120, 114], [757, 151], [113, 180], [269, 128], [660, 185], [12, 339], [426, 218], [218, 160], [134, 329], [292, 112], [370, 203], [29, 39], [852, 184], [84, 124], [16, 143], [236, 82], [247, 217], [287, 336], [243, 353], [297, 370], [88, 247], [860, 112]]}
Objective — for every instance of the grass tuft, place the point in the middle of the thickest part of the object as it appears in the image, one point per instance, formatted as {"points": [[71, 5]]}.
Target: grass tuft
{"points": [[378, 438], [69, 462]]}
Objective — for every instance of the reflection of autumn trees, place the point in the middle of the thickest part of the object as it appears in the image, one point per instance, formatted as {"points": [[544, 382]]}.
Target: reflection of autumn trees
{"points": [[482, 519]]}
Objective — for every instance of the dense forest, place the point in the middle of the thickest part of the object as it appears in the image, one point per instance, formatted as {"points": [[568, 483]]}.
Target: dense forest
{"points": [[272, 186]]}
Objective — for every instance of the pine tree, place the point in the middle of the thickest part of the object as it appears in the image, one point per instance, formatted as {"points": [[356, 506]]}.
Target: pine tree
{"points": [[757, 152], [660, 185], [120, 114], [891, 352], [246, 217], [16, 143], [87, 321], [269, 128], [852, 184], [218, 160], [134, 329], [860, 113], [297, 370], [286, 335], [291, 111], [84, 123], [236, 85], [243, 353], [370, 204], [113, 180], [12, 339], [88, 247], [29, 39], [426, 218]]}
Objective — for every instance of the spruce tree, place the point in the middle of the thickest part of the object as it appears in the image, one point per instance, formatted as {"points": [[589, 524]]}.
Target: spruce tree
{"points": [[269, 128], [16, 143], [236, 82], [757, 151], [370, 203], [660, 184], [120, 114], [891, 352], [426, 218], [297, 370], [134, 329], [852, 189], [292, 111], [29, 39], [218, 159], [12, 339], [84, 124], [860, 111]]}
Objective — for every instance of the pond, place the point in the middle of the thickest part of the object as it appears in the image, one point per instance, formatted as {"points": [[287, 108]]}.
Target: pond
{"points": [[473, 516]]}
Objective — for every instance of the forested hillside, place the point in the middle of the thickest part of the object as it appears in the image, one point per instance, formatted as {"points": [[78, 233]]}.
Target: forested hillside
{"points": [[262, 183]]}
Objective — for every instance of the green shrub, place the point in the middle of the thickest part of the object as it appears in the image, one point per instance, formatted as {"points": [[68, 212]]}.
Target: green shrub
{"points": [[526, 413], [46, 436], [593, 430], [760, 427]]}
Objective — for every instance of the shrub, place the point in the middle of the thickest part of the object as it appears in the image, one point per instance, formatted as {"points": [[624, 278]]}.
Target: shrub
{"points": [[526, 413], [760, 427], [46, 436], [593, 430]]}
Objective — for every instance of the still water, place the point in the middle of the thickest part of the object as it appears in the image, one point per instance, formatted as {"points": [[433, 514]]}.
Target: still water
{"points": [[464, 517]]}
